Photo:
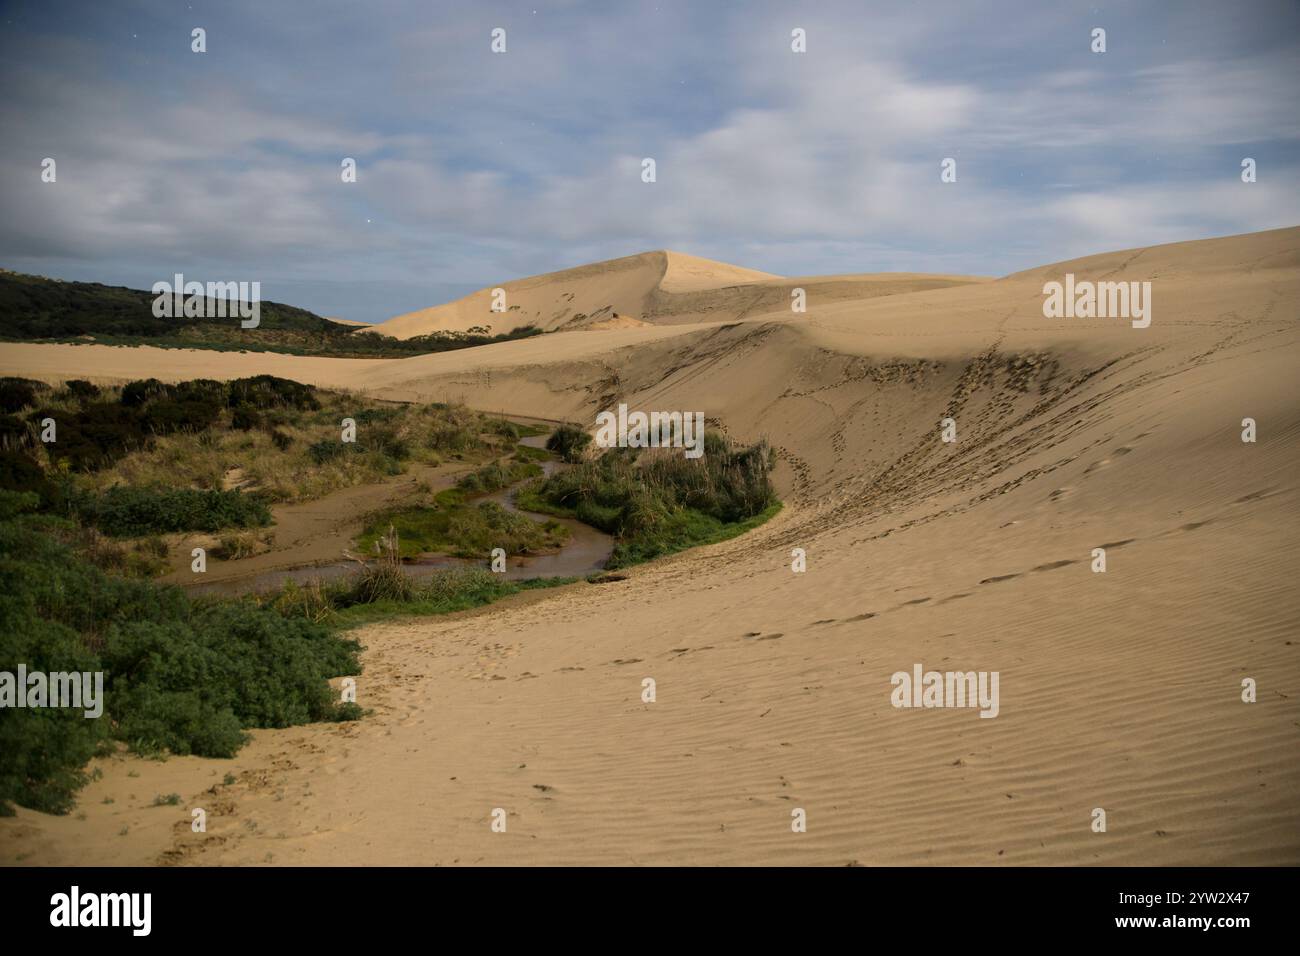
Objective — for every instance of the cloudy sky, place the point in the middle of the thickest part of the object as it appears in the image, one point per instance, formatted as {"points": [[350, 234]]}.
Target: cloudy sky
{"points": [[475, 167]]}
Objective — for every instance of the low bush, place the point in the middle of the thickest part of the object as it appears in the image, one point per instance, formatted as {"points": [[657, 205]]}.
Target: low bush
{"points": [[19, 393], [127, 512], [245, 418], [14, 433], [497, 475], [18, 472], [96, 435], [80, 390], [180, 676], [268, 391]]}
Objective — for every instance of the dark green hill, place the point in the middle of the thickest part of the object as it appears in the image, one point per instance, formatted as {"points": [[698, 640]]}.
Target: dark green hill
{"points": [[36, 309]]}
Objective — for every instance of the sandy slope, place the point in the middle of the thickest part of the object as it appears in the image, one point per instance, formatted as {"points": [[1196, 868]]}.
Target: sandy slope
{"points": [[657, 287], [1118, 690]]}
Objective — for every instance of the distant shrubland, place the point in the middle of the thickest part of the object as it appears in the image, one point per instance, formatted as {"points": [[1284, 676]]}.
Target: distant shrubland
{"points": [[36, 309]]}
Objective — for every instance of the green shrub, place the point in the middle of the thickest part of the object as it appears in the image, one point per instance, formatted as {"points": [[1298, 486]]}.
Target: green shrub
{"points": [[503, 427], [80, 390], [245, 418], [140, 391], [185, 414], [128, 512], [268, 391], [182, 676], [44, 749], [661, 502], [14, 433], [95, 435], [495, 475], [18, 472], [192, 686], [19, 393], [569, 442]]}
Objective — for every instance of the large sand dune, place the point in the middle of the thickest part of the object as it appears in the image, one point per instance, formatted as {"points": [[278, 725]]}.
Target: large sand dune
{"points": [[656, 287], [1119, 690]]}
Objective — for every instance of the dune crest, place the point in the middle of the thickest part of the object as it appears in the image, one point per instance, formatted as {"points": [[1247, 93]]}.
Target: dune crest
{"points": [[660, 288]]}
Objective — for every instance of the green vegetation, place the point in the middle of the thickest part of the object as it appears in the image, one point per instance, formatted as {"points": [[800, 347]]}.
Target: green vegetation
{"points": [[291, 449], [381, 590], [95, 429], [657, 501], [467, 531], [35, 309], [181, 676], [151, 458], [450, 522], [569, 442], [497, 475], [129, 512]]}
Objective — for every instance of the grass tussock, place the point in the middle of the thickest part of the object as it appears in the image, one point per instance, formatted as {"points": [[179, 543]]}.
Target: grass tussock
{"points": [[569, 442]]}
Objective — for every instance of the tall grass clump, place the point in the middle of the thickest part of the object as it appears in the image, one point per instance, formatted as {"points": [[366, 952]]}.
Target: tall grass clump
{"points": [[569, 442], [367, 596]]}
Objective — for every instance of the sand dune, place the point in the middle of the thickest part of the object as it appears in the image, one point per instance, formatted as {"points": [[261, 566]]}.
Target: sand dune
{"points": [[654, 287], [1119, 690]]}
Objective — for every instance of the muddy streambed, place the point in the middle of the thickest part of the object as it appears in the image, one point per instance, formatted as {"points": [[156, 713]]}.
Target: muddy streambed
{"points": [[585, 552]]}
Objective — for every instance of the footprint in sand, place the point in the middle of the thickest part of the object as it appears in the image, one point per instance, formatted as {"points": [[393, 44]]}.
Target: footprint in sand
{"points": [[861, 617], [1053, 565], [1116, 544], [1105, 462], [1253, 496]]}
